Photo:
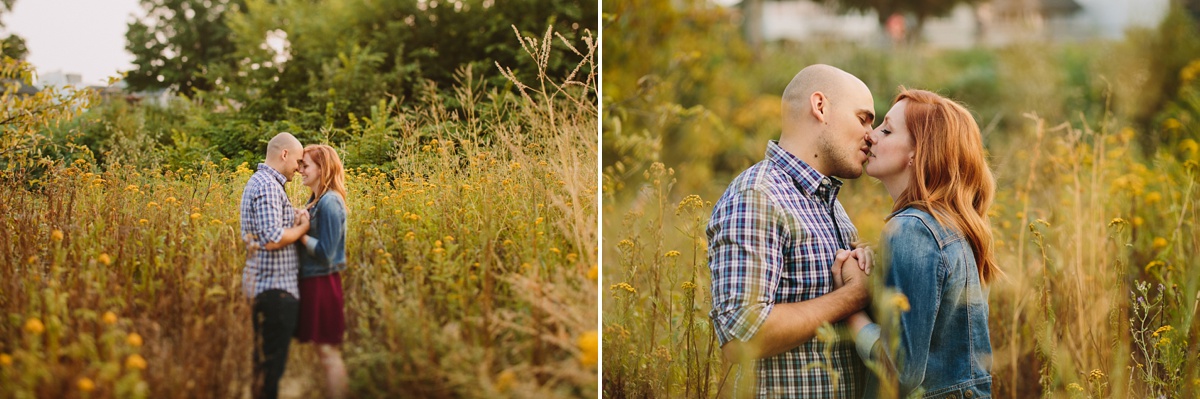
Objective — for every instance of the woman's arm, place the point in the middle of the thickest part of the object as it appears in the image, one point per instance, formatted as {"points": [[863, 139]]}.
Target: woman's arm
{"points": [[915, 262], [331, 225]]}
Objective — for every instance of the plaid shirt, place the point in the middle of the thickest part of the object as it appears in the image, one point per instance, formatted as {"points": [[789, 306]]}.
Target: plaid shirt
{"points": [[772, 239], [266, 212]]}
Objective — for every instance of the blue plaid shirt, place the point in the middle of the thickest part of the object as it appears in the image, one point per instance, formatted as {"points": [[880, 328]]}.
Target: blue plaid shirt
{"points": [[266, 212], [772, 239]]}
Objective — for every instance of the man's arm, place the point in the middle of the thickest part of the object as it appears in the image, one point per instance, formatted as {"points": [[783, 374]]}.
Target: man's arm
{"points": [[789, 325], [290, 235]]}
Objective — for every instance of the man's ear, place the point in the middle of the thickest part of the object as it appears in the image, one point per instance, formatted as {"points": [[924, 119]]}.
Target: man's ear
{"points": [[283, 155], [819, 105]]}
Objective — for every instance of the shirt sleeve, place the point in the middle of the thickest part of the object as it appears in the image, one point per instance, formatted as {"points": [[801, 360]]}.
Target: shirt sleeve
{"points": [[330, 217], [264, 220], [915, 271], [745, 239]]}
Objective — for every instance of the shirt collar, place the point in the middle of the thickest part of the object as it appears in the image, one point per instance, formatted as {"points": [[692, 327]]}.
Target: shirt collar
{"points": [[808, 180], [273, 173]]}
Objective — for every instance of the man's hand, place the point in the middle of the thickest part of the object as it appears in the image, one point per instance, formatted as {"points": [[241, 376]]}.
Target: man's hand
{"points": [[848, 274], [302, 216]]}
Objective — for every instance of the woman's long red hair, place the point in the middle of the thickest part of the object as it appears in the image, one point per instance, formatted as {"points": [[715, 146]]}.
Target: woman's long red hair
{"points": [[951, 179], [332, 175]]}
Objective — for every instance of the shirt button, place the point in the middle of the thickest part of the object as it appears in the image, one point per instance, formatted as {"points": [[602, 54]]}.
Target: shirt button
{"points": [[952, 396], [968, 394]]}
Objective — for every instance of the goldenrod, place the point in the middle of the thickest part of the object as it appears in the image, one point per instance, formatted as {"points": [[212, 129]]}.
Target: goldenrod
{"points": [[589, 345]]}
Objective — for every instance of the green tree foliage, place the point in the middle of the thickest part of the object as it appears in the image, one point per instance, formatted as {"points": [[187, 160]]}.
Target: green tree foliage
{"points": [[25, 118], [342, 56], [13, 45], [178, 43]]}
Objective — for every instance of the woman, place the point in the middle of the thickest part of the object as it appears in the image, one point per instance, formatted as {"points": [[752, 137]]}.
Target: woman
{"points": [[322, 258], [928, 153]]}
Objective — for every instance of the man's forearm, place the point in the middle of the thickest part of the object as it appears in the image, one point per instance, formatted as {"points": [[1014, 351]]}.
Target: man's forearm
{"points": [[791, 324], [290, 236]]}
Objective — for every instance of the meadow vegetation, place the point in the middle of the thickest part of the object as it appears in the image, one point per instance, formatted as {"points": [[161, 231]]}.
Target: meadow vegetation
{"points": [[1095, 218], [472, 246]]}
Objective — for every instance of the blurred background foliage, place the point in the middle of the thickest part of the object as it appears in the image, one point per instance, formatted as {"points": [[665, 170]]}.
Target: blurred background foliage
{"points": [[1092, 142], [216, 79]]}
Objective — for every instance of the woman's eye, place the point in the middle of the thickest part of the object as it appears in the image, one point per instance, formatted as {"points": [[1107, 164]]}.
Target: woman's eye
{"points": [[886, 132]]}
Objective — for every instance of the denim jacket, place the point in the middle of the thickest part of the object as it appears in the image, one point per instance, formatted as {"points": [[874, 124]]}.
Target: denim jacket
{"points": [[324, 251], [945, 347]]}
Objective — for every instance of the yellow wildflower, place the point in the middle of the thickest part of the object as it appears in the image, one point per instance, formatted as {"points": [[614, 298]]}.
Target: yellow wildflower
{"points": [[1153, 197], [56, 235], [505, 380], [1074, 387], [1172, 123], [448, 238], [508, 242], [134, 340], [555, 250], [170, 200], [32, 259], [1190, 145], [1096, 374], [438, 251], [135, 361], [152, 204], [85, 384], [1137, 221], [104, 259], [34, 326], [1162, 342], [109, 318], [900, 302], [1160, 243], [623, 286], [1162, 330], [687, 285], [410, 236], [1152, 265], [5, 359], [672, 254], [589, 348], [143, 221], [437, 243], [594, 273]]}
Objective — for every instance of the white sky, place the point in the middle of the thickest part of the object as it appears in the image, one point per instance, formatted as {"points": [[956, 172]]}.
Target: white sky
{"points": [[75, 36]]}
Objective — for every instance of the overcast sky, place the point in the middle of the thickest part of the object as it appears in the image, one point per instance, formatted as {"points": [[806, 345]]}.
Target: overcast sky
{"points": [[75, 36]]}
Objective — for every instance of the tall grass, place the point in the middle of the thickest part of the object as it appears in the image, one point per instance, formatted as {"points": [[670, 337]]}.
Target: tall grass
{"points": [[471, 265]]}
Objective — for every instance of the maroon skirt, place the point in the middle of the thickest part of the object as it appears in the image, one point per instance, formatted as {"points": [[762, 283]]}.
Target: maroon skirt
{"points": [[322, 315]]}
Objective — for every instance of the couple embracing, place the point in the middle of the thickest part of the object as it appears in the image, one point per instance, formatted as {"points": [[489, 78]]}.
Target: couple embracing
{"points": [[295, 258], [786, 258]]}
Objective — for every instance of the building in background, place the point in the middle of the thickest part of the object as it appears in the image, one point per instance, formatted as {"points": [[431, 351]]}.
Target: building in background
{"points": [[990, 23]]}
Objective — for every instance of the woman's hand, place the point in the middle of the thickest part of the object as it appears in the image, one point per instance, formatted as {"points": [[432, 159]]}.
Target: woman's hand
{"points": [[302, 217], [865, 256], [846, 268]]}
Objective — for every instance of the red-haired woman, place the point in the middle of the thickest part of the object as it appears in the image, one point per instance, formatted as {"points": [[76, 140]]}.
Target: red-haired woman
{"points": [[928, 153], [322, 259]]}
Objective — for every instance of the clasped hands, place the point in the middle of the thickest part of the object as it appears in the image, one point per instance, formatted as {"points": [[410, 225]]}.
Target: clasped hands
{"points": [[851, 268], [302, 217]]}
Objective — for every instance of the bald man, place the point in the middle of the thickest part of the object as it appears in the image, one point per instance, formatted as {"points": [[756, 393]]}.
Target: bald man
{"points": [[269, 225], [773, 238]]}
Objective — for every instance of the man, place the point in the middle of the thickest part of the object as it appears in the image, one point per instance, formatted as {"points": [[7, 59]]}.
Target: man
{"points": [[270, 225], [773, 238]]}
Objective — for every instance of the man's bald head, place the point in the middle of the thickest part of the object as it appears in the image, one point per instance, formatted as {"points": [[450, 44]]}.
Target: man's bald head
{"points": [[827, 114], [830, 81], [283, 141], [284, 152]]}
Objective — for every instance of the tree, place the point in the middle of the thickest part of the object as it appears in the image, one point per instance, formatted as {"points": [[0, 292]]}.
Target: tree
{"points": [[13, 45], [179, 42]]}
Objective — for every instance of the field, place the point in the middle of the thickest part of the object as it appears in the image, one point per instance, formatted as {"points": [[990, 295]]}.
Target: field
{"points": [[472, 261], [1095, 218]]}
